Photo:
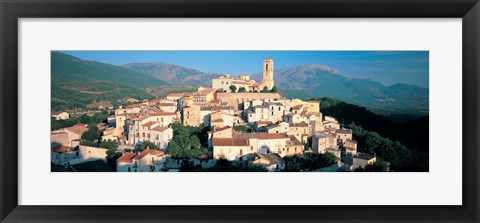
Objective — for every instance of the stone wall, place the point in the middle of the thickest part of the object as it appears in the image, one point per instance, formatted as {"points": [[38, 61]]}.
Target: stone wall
{"points": [[235, 99]]}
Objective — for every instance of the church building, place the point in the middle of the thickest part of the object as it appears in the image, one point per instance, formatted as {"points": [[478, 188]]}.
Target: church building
{"points": [[225, 81]]}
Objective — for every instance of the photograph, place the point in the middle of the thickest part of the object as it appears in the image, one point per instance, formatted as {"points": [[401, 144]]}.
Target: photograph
{"points": [[239, 111]]}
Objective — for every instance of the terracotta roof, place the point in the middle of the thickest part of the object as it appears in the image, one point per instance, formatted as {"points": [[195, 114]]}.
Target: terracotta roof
{"points": [[135, 106], [294, 141], [344, 131], [350, 148], [160, 128], [223, 128], [301, 124], [61, 149], [166, 104], [272, 158], [245, 135], [230, 142], [174, 95], [146, 152], [263, 135], [126, 158], [155, 101], [164, 114], [216, 108], [352, 141], [275, 103], [148, 124], [77, 129]]}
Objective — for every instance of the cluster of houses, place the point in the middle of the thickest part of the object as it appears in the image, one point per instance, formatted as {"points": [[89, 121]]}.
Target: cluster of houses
{"points": [[277, 127]]}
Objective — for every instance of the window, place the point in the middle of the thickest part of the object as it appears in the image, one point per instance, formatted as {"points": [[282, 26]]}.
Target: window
{"points": [[143, 135], [129, 169]]}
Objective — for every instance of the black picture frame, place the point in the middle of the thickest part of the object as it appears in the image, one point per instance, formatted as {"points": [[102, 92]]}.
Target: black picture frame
{"points": [[11, 11]]}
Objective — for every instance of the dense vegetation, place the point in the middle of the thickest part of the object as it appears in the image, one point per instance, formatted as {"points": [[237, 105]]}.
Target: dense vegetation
{"points": [[98, 117], [77, 82], [400, 157], [221, 165], [378, 166], [78, 94], [404, 145], [188, 141], [414, 134], [308, 162]]}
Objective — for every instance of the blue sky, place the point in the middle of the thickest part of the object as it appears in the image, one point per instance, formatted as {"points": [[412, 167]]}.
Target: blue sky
{"points": [[388, 67]]}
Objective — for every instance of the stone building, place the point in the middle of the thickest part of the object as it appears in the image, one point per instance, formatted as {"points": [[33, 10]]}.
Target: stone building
{"points": [[243, 81]]}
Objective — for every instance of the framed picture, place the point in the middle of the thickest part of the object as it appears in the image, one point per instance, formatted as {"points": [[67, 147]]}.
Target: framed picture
{"points": [[269, 111]]}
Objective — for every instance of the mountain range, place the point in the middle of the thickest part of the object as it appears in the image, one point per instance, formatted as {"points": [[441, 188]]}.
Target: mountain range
{"points": [[303, 81], [65, 68], [311, 81]]}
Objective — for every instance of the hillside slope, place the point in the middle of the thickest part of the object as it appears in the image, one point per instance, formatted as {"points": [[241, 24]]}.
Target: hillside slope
{"points": [[66, 68]]}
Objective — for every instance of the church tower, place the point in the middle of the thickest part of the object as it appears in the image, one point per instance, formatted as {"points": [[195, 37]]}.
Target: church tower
{"points": [[268, 74]]}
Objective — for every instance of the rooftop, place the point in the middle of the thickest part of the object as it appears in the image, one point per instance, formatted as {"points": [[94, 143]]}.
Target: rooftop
{"points": [[230, 142], [126, 158], [263, 135], [273, 158]]}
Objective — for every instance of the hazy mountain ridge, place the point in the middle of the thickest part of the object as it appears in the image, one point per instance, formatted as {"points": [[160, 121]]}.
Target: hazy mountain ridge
{"points": [[302, 81], [309, 81], [173, 73]]}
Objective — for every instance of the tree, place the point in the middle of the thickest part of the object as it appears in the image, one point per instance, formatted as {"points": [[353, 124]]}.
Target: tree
{"points": [[255, 91], [359, 169], [92, 134], [274, 90], [265, 90], [242, 90], [111, 147], [233, 88], [220, 90], [150, 145], [240, 128]]}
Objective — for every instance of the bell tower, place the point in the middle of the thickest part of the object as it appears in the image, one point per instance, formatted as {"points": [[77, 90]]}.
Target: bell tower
{"points": [[268, 73]]}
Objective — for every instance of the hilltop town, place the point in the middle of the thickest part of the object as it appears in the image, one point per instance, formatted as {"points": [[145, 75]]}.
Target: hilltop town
{"points": [[237, 124]]}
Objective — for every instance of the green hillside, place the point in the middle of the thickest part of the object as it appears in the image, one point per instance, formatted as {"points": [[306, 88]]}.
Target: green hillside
{"points": [[68, 68], [77, 83]]}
